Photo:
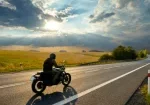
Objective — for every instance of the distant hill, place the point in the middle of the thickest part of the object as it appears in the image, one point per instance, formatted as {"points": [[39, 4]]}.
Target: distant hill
{"points": [[62, 51], [45, 49], [34, 50], [95, 51]]}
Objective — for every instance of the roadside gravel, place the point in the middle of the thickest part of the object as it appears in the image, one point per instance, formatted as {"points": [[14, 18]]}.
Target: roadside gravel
{"points": [[137, 98]]}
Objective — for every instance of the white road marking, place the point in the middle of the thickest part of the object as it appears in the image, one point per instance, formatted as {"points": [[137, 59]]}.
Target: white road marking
{"points": [[96, 87], [85, 70], [106, 68], [92, 69], [11, 85], [71, 69], [22, 83]]}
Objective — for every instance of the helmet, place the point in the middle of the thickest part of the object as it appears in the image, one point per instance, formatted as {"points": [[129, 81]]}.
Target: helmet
{"points": [[53, 56]]}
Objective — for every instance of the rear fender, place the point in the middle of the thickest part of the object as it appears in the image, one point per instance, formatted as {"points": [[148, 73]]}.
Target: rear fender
{"points": [[34, 77]]}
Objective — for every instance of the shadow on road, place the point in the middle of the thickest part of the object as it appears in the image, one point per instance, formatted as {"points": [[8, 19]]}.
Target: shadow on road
{"points": [[49, 99]]}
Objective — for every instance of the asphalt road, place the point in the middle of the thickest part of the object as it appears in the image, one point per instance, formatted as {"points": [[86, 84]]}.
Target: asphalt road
{"points": [[110, 84]]}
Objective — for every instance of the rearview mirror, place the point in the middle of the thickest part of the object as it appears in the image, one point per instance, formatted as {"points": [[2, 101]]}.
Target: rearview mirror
{"points": [[64, 62]]}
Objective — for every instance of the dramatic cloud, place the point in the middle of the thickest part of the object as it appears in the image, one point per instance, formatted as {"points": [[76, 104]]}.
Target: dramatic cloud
{"points": [[139, 42], [27, 15], [6, 4], [63, 40], [100, 17], [129, 23], [46, 22]]}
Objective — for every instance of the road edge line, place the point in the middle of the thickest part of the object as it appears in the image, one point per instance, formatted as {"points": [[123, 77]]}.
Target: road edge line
{"points": [[96, 87]]}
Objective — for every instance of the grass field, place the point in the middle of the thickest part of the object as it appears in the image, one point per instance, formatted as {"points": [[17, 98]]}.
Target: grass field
{"points": [[11, 60]]}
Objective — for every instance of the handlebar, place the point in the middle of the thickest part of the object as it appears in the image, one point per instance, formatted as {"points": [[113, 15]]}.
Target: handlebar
{"points": [[63, 67]]}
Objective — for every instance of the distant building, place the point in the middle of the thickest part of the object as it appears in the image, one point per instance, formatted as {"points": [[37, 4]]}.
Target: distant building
{"points": [[62, 51]]}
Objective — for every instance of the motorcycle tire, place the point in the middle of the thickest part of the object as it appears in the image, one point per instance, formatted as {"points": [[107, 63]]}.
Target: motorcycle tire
{"points": [[66, 79], [38, 84]]}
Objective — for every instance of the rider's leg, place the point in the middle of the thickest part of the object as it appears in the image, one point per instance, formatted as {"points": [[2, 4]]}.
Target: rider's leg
{"points": [[55, 76]]}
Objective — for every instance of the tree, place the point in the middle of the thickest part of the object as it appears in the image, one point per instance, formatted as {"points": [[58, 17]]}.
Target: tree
{"points": [[130, 53], [142, 53], [106, 57], [118, 53], [123, 53]]}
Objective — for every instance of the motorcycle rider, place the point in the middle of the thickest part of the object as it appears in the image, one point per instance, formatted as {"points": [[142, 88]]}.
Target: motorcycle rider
{"points": [[48, 66]]}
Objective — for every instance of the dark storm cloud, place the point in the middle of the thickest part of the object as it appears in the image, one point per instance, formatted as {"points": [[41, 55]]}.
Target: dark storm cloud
{"points": [[93, 41], [100, 17], [69, 11], [91, 16], [139, 43], [26, 15]]}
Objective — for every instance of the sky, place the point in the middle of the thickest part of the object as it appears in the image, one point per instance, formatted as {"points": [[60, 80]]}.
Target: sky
{"points": [[97, 24]]}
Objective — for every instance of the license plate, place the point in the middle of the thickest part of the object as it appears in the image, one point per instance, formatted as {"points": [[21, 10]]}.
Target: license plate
{"points": [[32, 78]]}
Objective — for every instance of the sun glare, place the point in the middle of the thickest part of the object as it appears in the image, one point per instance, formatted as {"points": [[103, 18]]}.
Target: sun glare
{"points": [[52, 25]]}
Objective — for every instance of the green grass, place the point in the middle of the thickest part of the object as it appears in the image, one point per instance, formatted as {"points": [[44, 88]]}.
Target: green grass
{"points": [[10, 60], [144, 92]]}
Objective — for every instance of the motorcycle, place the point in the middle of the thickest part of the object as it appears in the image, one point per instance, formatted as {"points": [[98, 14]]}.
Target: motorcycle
{"points": [[41, 79]]}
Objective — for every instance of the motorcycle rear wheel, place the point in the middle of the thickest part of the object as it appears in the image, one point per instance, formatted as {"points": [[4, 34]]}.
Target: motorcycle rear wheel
{"points": [[38, 86]]}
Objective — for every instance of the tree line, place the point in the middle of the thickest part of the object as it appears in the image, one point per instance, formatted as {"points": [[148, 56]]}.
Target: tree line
{"points": [[124, 53]]}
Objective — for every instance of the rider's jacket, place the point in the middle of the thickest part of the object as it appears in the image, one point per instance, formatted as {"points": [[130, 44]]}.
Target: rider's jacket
{"points": [[48, 64]]}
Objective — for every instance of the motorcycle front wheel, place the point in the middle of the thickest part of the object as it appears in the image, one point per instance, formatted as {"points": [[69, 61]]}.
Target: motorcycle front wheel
{"points": [[38, 86], [66, 79]]}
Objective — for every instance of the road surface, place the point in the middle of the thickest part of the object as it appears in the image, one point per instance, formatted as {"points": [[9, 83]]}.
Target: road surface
{"points": [[109, 84]]}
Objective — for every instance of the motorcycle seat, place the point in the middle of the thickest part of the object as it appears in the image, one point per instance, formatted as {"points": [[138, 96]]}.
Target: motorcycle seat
{"points": [[46, 75], [39, 72]]}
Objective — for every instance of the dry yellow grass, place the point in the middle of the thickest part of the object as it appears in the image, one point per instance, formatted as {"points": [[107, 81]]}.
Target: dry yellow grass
{"points": [[10, 60], [45, 49], [94, 54]]}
